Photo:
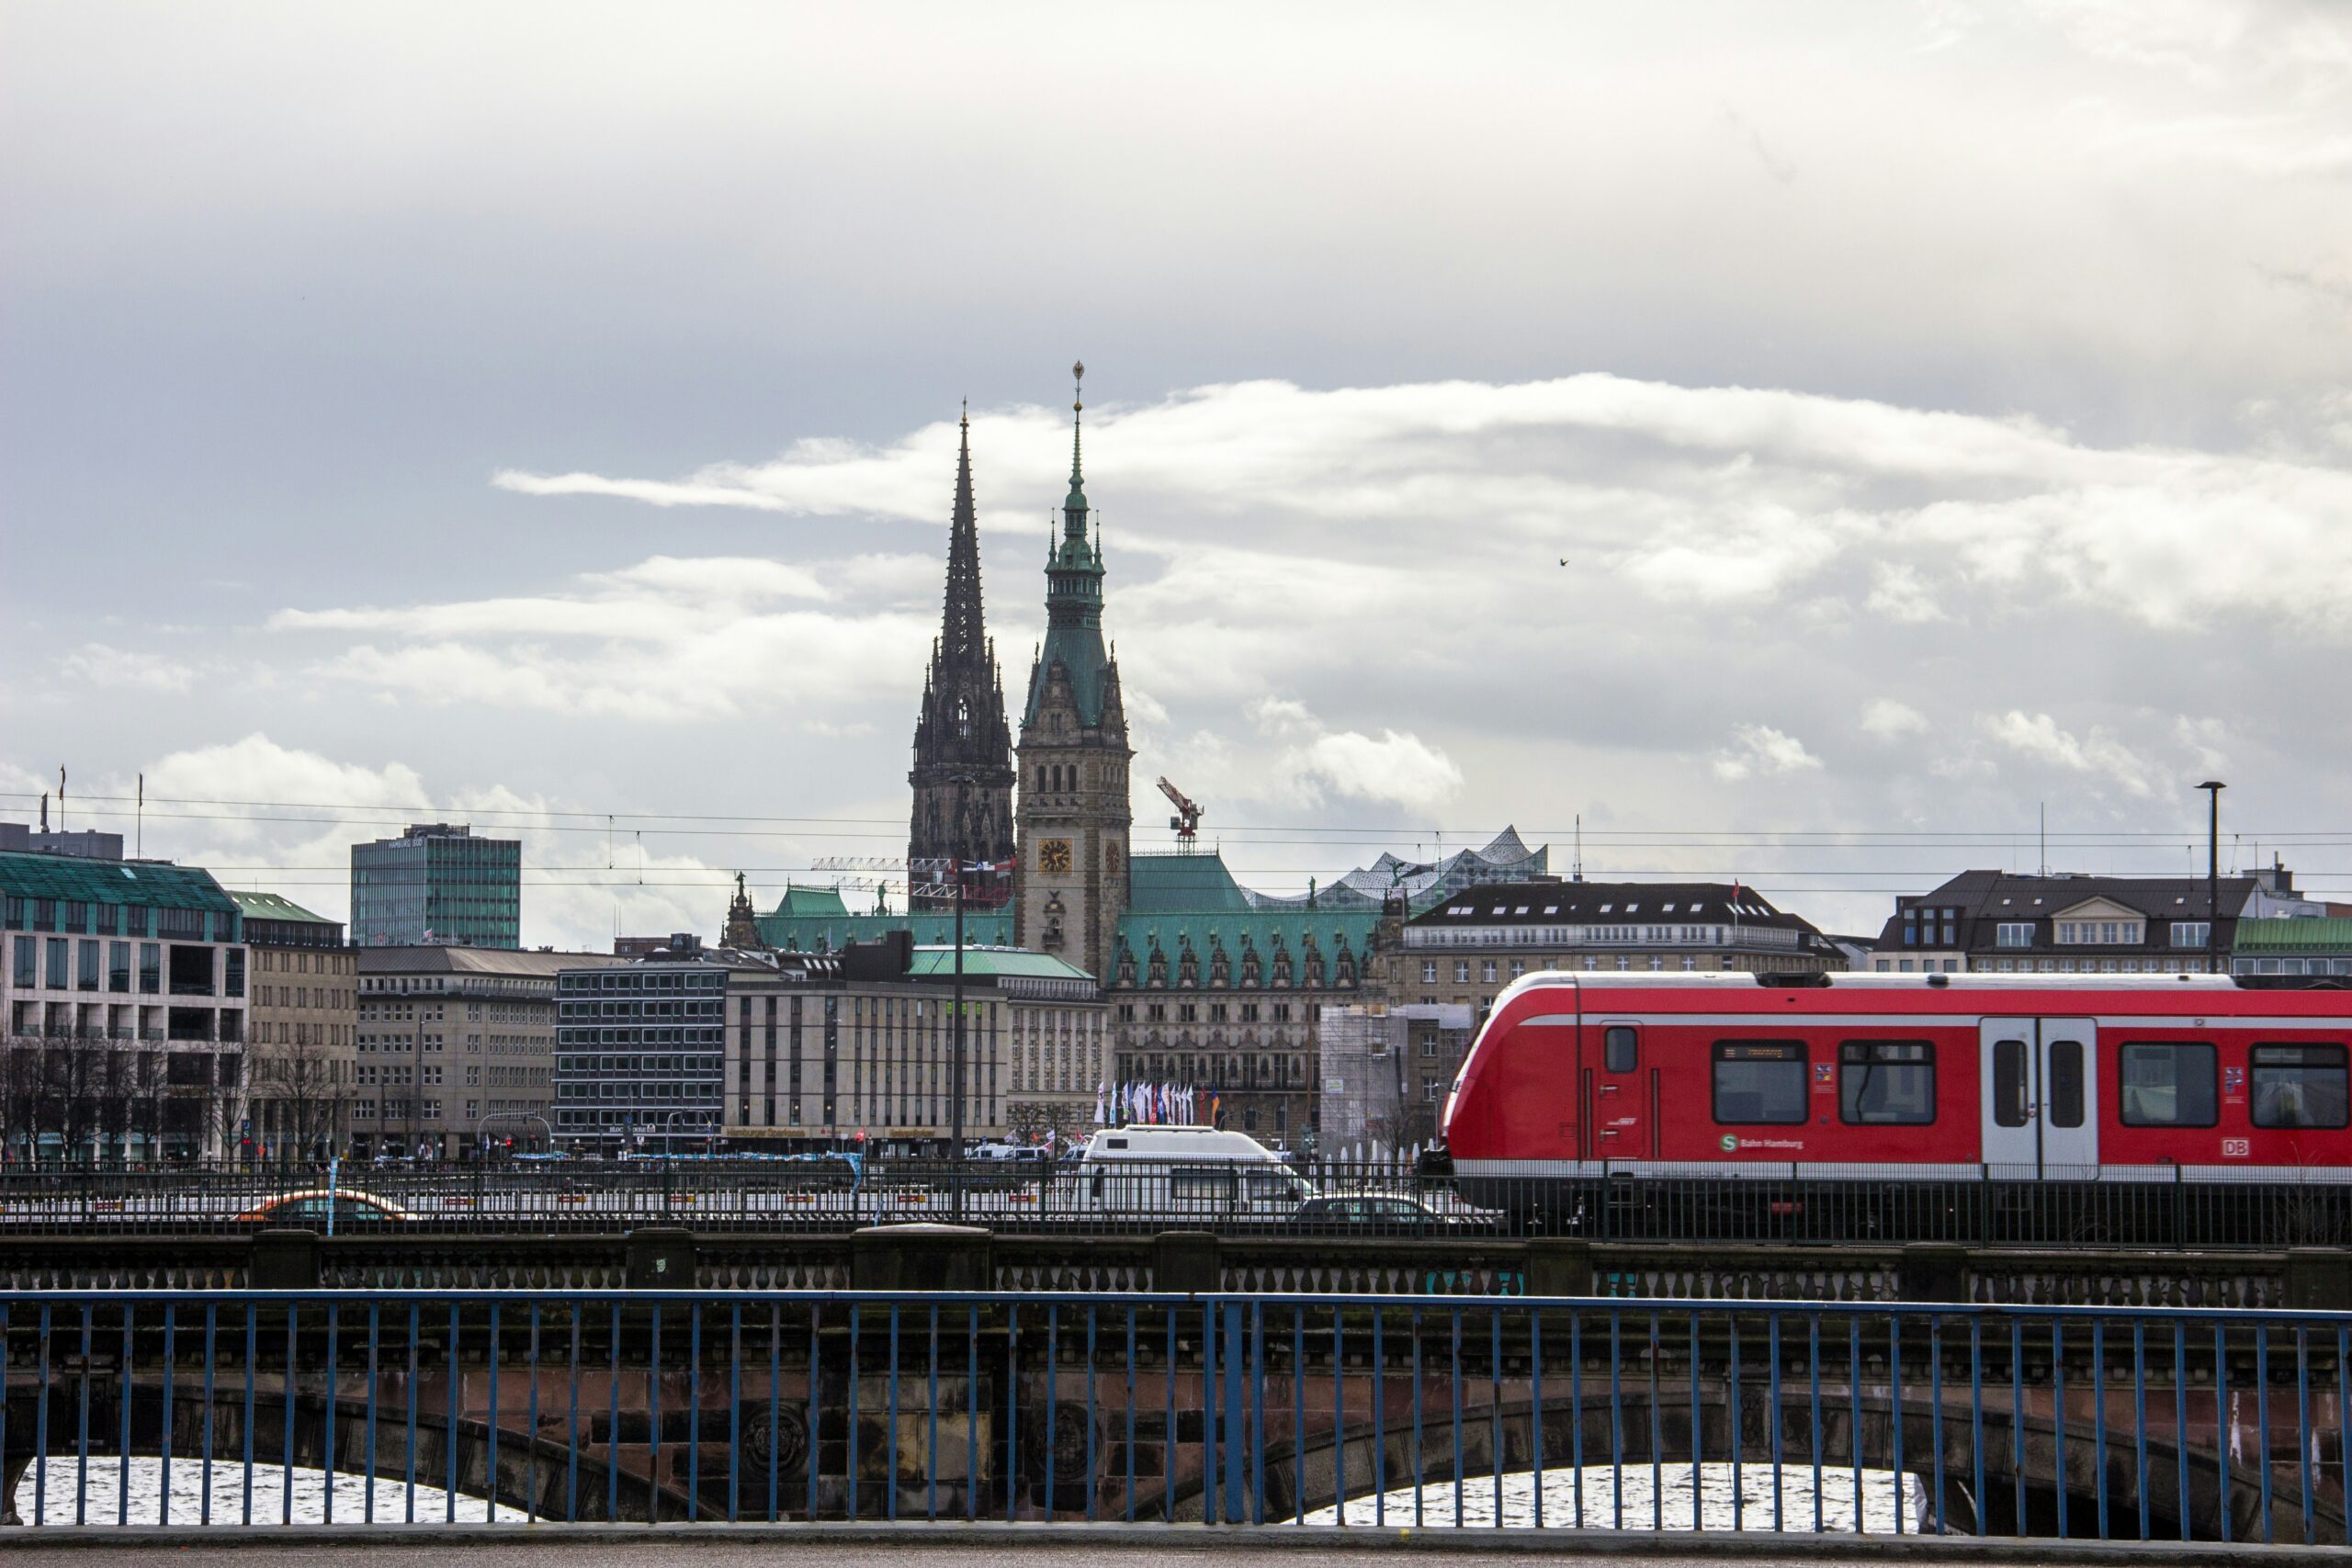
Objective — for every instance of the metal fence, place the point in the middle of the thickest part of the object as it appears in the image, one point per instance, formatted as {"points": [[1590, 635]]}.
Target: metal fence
{"points": [[267, 1408], [1994, 1207]]}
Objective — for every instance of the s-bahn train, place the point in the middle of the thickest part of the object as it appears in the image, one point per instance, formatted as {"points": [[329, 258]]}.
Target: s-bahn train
{"points": [[1937, 1078]]}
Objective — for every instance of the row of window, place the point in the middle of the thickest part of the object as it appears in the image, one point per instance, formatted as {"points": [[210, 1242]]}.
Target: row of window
{"points": [[18, 914], [1893, 1082]]}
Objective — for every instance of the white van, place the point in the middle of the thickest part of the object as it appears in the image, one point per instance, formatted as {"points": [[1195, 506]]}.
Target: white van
{"points": [[1183, 1172]]}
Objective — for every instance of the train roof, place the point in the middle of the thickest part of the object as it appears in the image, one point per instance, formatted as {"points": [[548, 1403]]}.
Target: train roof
{"points": [[1743, 981]]}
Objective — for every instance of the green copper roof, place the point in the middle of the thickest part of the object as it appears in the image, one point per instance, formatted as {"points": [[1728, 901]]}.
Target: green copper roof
{"points": [[803, 901], [989, 961], [831, 933], [2293, 936], [156, 884], [1206, 929], [1158, 883], [274, 907], [1073, 601]]}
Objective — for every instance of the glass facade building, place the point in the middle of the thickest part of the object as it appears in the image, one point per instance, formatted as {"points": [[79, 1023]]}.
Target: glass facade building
{"points": [[437, 884]]}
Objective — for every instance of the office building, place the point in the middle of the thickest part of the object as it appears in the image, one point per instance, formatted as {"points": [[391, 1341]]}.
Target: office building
{"points": [[123, 996], [437, 884]]}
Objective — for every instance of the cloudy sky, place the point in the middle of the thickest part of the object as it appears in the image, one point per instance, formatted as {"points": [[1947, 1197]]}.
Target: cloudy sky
{"points": [[1803, 441]]}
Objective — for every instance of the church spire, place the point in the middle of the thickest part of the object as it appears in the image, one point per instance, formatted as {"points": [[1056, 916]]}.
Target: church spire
{"points": [[962, 630]]}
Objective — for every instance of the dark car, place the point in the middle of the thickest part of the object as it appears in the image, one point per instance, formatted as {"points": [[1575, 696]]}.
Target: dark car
{"points": [[1380, 1213]]}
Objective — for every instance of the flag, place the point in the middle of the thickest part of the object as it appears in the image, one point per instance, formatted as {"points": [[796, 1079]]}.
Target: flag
{"points": [[1102, 1094]]}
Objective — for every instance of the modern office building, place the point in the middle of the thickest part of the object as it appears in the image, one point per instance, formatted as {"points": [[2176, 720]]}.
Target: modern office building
{"points": [[301, 1031], [457, 1049], [123, 997], [639, 1051], [437, 884]]}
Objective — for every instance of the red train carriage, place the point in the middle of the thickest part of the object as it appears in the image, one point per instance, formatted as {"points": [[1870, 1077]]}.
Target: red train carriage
{"points": [[1929, 1078]]}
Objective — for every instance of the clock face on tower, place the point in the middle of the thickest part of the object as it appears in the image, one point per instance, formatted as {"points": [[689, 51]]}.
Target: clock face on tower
{"points": [[1053, 857]]}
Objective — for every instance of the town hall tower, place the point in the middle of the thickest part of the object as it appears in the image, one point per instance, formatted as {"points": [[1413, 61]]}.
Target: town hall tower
{"points": [[1070, 876]]}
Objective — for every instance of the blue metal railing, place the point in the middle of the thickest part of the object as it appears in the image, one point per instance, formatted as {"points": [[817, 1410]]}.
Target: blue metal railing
{"points": [[673, 1408]]}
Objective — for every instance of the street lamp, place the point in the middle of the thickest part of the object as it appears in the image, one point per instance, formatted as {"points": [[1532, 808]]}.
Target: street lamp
{"points": [[2214, 788]]}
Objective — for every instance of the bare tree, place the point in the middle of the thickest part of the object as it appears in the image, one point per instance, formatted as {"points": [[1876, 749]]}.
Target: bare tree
{"points": [[298, 1100]]}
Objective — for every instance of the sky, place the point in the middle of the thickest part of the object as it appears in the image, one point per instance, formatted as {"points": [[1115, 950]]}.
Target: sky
{"points": [[1816, 445]]}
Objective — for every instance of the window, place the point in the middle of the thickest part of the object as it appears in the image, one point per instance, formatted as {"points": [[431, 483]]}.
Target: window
{"points": [[1620, 1048], [2010, 1091], [2167, 1085], [2299, 1086], [2190, 933], [1487, 972], [59, 979], [1461, 971], [2064, 1061], [1760, 1082], [1888, 1082], [2013, 933]]}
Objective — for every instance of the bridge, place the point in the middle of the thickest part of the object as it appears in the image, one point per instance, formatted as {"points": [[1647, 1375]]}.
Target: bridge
{"points": [[677, 1406]]}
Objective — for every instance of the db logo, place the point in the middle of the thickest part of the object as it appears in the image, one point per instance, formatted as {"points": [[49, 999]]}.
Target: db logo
{"points": [[2236, 1148], [1731, 1144]]}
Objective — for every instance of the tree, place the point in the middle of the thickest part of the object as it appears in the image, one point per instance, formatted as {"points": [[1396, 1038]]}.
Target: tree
{"points": [[298, 1097]]}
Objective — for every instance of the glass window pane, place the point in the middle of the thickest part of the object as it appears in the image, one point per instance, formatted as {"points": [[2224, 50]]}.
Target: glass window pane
{"points": [[1622, 1049], [2065, 1059], [2299, 1086], [2168, 1084], [1760, 1082], [2009, 1083], [1887, 1082]]}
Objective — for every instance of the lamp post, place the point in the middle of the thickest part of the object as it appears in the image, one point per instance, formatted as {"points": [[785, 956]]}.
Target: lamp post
{"points": [[2214, 788]]}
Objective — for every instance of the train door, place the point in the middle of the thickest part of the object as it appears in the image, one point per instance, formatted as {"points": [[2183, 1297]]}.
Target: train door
{"points": [[2040, 1095], [1619, 1112]]}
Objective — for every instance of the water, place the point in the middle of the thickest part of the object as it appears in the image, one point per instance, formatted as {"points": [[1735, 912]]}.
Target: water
{"points": [[1670, 1507], [144, 1496]]}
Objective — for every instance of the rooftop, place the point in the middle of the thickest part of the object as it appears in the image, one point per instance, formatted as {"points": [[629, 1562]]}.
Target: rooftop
{"points": [[152, 883], [2293, 936], [440, 960], [994, 962], [274, 907], [1632, 903]]}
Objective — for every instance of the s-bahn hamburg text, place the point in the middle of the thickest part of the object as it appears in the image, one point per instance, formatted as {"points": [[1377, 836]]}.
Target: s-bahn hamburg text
{"points": [[2058, 1077]]}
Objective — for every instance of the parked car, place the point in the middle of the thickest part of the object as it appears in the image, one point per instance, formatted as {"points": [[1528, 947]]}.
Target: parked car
{"points": [[348, 1208], [1382, 1214]]}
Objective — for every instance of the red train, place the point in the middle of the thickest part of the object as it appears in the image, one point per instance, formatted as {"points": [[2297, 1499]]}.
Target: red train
{"points": [[2052, 1078]]}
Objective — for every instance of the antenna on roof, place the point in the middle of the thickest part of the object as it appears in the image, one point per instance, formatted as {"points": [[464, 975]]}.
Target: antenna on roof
{"points": [[1575, 870], [2045, 838]]}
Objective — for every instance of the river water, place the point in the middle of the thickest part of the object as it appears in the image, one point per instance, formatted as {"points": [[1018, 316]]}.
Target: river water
{"points": [[109, 1499], [1669, 1506], [1678, 1501]]}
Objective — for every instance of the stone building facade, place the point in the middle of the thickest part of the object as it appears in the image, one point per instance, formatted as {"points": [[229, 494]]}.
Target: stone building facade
{"points": [[303, 1054]]}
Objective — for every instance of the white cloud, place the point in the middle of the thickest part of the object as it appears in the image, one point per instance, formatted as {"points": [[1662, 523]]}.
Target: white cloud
{"points": [[102, 666], [1761, 750], [2038, 737], [666, 641], [1889, 719]]}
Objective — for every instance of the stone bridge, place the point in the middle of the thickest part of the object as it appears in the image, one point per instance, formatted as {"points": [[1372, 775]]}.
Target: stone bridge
{"points": [[678, 1406]]}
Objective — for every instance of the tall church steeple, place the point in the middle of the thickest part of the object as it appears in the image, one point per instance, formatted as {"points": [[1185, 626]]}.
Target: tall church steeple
{"points": [[1070, 880], [963, 764]]}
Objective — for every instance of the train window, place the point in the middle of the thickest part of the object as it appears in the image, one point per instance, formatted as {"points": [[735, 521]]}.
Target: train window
{"points": [[2299, 1086], [1620, 1048], [1760, 1082], [2168, 1084], [1886, 1082], [2010, 1097], [2065, 1066]]}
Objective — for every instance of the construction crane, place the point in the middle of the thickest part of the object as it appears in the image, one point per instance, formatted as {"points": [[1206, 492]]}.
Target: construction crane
{"points": [[1187, 821]]}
